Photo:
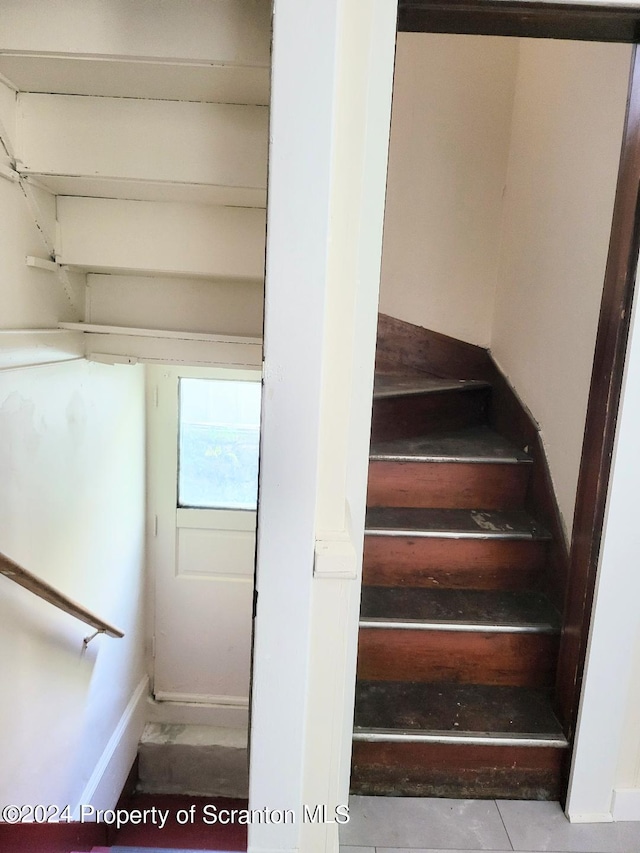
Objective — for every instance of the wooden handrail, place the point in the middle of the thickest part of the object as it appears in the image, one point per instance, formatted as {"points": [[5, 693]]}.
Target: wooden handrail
{"points": [[43, 590]]}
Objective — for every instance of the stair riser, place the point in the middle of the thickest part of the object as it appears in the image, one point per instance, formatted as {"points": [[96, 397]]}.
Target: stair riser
{"points": [[509, 564], [443, 770], [523, 660], [200, 770], [416, 415], [447, 485]]}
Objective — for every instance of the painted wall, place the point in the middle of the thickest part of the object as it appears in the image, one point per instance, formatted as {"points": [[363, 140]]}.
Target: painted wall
{"points": [[503, 164], [450, 128], [565, 146], [605, 778], [72, 512]]}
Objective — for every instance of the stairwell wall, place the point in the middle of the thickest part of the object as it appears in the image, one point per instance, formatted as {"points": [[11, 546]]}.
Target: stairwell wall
{"points": [[72, 512], [502, 174], [452, 103], [565, 148]]}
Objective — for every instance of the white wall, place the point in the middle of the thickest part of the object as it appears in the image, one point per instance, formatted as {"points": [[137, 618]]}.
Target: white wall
{"points": [[605, 780], [565, 147], [72, 512], [503, 166], [452, 103], [327, 173]]}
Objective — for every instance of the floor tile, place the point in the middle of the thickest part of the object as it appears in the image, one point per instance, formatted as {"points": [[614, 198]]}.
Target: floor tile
{"points": [[628, 836], [429, 824], [357, 849], [542, 826], [429, 850]]}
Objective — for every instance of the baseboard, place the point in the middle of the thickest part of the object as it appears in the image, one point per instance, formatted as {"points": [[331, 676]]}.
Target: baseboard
{"points": [[198, 714], [110, 773], [590, 817], [626, 804], [253, 849]]}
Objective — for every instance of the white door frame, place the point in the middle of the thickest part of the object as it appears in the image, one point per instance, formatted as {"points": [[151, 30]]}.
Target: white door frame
{"points": [[164, 520], [330, 120]]}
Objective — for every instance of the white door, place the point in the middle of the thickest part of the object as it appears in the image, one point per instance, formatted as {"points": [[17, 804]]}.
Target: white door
{"points": [[203, 469]]}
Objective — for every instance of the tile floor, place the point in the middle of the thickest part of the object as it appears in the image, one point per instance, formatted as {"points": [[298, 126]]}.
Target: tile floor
{"points": [[407, 825]]}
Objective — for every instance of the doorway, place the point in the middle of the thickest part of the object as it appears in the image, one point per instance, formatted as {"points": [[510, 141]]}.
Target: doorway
{"points": [[593, 468], [202, 457]]}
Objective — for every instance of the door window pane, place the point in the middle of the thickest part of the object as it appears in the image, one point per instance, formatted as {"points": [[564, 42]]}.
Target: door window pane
{"points": [[218, 443]]}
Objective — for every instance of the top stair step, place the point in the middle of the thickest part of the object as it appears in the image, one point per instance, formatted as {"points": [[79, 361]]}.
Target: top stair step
{"points": [[402, 386], [409, 407]]}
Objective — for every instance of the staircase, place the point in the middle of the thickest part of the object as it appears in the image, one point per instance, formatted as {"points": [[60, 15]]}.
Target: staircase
{"points": [[458, 643]]}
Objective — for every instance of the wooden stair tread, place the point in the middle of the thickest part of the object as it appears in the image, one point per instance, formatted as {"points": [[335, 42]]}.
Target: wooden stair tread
{"points": [[453, 523], [386, 386], [458, 607], [455, 709], [474, 444]]}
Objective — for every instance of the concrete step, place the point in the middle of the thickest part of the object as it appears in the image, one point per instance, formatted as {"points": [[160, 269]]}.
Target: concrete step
{"points": [[196, 760]]}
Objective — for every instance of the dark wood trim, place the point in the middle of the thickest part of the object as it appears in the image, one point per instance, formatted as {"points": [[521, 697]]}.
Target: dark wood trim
{"points": [[602, 410], [578, 22], [510, 417]]}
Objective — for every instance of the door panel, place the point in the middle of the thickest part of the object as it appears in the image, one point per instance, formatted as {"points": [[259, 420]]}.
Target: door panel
{"points": [[201, 559]]}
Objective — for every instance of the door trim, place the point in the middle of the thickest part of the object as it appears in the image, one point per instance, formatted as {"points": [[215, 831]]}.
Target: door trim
{"points": [[575, 21]]}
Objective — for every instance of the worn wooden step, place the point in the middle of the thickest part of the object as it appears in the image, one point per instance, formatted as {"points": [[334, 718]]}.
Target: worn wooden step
{"points": [[446, 712], [456, 741], [453, 523], [469, 469], [516, 611], [473, 637], [412, 407], [453, 549]]}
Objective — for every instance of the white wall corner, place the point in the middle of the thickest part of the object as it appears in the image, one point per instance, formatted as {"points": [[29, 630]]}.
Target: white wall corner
{"points": [[110, 773], [626, 804]]}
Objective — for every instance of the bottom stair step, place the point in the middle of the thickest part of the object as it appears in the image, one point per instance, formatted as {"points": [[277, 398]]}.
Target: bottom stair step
{"points": [[455, 709], [450, 740]]}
